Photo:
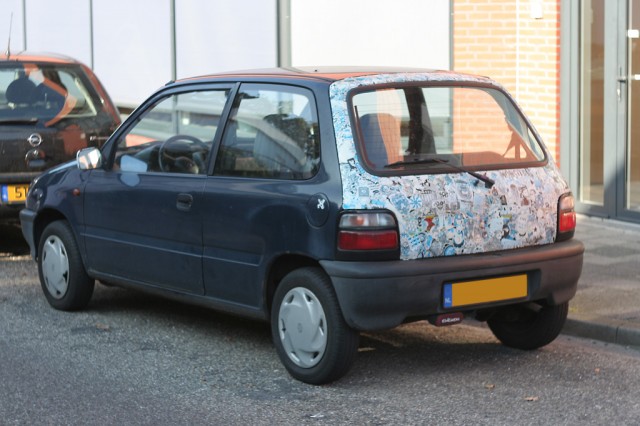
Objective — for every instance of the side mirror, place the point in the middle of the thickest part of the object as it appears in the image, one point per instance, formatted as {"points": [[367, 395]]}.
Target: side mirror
{"points": [[89, 159]]}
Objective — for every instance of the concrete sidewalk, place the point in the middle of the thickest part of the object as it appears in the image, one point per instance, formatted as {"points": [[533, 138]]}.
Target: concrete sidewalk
{"points": [[607, 305]]}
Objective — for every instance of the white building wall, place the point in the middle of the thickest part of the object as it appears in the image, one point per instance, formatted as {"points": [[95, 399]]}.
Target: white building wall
{"points": [[54, 29], [412, 33], [224, 35], [130, 43], [132, 47], [7, 9]]}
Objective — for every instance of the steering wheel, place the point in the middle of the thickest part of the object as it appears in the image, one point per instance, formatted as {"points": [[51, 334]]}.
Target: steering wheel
{"points": [[164, 154]]}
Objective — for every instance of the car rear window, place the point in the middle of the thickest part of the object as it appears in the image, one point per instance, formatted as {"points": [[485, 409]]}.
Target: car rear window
{"points": [[46, 92], [412, 129]]}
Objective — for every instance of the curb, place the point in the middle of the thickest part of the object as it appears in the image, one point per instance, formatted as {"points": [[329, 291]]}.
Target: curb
{"points": [[608, 331]]}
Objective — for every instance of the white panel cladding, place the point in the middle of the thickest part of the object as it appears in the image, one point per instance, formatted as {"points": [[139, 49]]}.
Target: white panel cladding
{"points": [[62, 27], [411, 33], [132, 47], [223, 35]]}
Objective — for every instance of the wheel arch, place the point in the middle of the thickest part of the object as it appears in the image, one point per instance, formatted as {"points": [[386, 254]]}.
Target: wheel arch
{"points": [[44, 218], [279, 268]]}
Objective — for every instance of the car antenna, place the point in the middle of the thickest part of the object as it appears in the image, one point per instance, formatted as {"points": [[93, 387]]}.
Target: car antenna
{"points": [[8, 52]]}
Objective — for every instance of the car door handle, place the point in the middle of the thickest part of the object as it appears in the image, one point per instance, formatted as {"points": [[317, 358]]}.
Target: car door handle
{"points": [[184, 202]]}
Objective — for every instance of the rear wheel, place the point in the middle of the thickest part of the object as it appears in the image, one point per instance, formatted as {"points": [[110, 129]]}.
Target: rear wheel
{"points": [[528, 326], [312, 339], [63, 278]]}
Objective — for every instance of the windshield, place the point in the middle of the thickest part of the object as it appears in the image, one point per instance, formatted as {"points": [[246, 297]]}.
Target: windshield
{"points": [[400, 129], [45, 94]]}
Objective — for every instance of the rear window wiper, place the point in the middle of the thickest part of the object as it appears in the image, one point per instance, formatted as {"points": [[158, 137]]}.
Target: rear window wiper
{"points": [[30, 120], [487, 180]]}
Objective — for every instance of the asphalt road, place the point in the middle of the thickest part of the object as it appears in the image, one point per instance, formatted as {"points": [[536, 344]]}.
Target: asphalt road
{"points": [[135, 359]]}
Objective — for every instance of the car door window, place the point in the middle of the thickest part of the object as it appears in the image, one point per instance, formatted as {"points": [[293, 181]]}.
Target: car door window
{"points": [[175, 135], [272, 133]]}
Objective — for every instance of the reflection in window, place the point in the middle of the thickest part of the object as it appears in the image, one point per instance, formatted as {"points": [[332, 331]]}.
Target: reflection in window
{"points": [[407, 127], [173, 136], [272, 133], [49, 93], [591, 188]]}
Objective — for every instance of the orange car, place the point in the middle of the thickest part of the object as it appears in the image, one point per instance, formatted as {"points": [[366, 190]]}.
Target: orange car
{"points": [[50, 107]]}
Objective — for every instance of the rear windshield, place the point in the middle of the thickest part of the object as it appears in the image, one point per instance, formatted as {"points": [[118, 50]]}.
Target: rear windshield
{"points": [[419, 129], [45, 94]]}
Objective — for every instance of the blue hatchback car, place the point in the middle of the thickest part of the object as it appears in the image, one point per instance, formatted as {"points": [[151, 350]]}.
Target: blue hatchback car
{"points": [[326, 201]]}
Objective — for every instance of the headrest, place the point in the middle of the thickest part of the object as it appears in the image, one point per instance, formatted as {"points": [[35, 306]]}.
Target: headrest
{"points": [[20, 90]]}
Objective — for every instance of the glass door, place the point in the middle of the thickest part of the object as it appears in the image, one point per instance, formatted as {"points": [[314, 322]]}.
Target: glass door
{"points": [[632, 175], [608, 172], [592, 123]]}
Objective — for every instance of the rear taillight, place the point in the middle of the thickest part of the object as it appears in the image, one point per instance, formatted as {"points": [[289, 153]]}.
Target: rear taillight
{"points": [[566, 217], [368, 231], [368, 240]]}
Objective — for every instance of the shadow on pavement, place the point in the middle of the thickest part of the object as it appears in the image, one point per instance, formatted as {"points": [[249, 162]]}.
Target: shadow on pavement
{"points": [[11, 241]]}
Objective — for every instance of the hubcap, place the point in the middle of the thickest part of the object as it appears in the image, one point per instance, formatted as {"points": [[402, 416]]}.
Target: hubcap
{"points": [[55, 267], [303, 327]]}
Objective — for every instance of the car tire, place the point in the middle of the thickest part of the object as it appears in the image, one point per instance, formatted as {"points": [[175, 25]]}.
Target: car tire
{"points": [[528, 326], [64, 281], [312, 339]]}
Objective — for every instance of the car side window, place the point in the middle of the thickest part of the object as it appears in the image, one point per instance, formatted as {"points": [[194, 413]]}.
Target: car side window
{"points": [[174, 135], [272, 132]]}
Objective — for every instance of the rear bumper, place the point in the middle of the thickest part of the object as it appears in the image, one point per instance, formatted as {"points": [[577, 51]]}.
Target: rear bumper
{"points": [[380, 295]]}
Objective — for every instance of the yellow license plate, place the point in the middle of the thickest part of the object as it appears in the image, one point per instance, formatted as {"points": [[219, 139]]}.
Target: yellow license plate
{"points": [[14, 193], [485, 291]]}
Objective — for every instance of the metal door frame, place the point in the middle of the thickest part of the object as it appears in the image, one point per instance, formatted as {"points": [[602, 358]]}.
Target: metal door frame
{"points": [[616, 21]]}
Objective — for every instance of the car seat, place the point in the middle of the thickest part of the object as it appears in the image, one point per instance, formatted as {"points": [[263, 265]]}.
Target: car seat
{"points": [[381, 138], [280, 142]]}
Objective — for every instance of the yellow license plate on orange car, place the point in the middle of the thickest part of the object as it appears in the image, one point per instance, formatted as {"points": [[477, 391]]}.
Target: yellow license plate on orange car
{"points": [[466, 293], [14, 193]]}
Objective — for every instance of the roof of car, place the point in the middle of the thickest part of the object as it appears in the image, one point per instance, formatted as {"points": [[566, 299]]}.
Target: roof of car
{"points": [[37, 57], [323, 73]]}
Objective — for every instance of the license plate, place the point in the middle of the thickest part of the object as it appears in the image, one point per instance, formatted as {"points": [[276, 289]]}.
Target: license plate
{"points": [[476, 292], [14, 193]]}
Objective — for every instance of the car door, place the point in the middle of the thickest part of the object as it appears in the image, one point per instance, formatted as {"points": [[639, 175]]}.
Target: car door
{"points": [[257, 199], [143, 212]]}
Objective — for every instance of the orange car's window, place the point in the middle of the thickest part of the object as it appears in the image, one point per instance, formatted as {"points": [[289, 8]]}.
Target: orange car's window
{"points": [[46, 93]]}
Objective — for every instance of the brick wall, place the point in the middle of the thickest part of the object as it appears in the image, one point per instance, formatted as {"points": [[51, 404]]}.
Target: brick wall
{"points": [[500, 39]]}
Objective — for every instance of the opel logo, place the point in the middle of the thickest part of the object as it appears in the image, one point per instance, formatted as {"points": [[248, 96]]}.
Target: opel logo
{"points": [[34, 140]]}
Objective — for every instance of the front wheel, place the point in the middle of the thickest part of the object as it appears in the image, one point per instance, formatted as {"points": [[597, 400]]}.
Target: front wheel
{"points": [[312, 339], [64, 281], [529, 326]]}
